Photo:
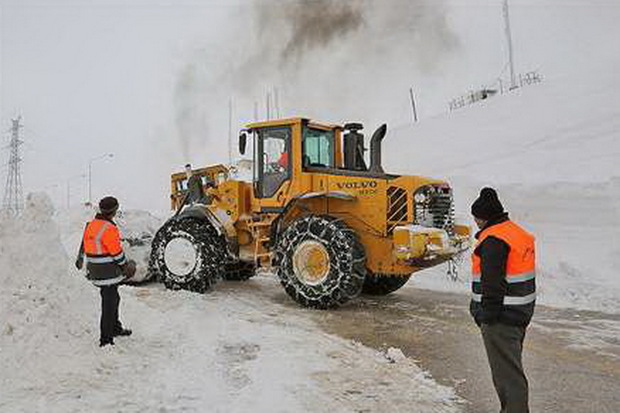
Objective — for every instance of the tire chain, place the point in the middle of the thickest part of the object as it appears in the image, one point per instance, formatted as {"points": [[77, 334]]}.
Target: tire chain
{"points": [[383, 284], [239, 271], [347, 261], [211, 254]]}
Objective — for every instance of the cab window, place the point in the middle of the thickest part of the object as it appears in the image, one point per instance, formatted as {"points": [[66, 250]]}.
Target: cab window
{"points": [[275, 165], [318, 148]]}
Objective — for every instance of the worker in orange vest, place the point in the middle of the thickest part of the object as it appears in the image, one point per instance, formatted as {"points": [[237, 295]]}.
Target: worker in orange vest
{"points": [[106, 267], [504, 294]]}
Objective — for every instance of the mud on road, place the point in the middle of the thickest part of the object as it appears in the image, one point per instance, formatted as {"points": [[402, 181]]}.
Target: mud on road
{"points": [[572, 358]]}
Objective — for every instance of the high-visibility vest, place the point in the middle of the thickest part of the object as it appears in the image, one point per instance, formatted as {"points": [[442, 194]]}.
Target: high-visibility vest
{"points": [[283, 160], [104, 252], [520, 265]]}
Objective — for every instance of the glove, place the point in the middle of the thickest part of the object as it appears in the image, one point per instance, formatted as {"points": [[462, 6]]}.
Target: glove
{"points": [[79, 262], [129, 269]]}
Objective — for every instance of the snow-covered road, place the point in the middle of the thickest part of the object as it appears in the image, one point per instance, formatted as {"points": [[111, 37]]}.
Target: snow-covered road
{"points": [[216, 353], [221, 352]]}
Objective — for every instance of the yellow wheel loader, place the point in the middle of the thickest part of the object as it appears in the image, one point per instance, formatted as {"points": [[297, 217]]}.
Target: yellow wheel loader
{"points": [[327, 224]]}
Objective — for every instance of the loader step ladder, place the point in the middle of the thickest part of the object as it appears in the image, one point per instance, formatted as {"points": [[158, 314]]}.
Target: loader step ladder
{"points": [[262, 256]]}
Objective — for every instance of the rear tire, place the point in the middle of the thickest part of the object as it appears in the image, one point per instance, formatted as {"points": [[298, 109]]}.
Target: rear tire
{"points": [[188, 254], [383, 284], [321, 263]]}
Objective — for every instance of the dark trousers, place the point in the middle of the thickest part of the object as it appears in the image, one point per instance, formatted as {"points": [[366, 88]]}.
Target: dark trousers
{"points": [[504, 346], [110, 324]]}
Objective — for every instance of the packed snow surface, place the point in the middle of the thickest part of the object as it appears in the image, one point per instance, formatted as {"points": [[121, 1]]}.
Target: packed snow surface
{"points": [[227, 351]]}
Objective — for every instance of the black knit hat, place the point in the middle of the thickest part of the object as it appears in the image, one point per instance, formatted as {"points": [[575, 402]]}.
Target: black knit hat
{"points": [[108, 205], [487, 206]]}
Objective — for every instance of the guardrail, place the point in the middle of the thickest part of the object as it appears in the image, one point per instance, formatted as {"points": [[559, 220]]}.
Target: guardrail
{"points": [[498, 87]]}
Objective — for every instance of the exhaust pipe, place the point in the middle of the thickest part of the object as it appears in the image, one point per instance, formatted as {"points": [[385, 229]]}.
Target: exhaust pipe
{"points": [[375, 149]]}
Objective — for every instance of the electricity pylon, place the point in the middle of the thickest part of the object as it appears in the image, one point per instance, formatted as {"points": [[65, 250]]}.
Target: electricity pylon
{"points": [[13, 192]]}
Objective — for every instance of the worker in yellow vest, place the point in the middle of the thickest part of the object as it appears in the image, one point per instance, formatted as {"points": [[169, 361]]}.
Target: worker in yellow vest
{"points": [[503, 296]]}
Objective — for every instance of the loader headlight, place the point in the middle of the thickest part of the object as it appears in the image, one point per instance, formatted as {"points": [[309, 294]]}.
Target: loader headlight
{"points": [[420, 197]]}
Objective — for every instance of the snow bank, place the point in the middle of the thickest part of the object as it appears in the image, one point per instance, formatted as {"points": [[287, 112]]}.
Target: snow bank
{"points": [[37, 290], [578, 242], [43, 305], [137, 230], [552, 152]]}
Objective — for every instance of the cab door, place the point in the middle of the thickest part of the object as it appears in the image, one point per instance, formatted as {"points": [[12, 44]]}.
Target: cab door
{"points": [[273, 160]]}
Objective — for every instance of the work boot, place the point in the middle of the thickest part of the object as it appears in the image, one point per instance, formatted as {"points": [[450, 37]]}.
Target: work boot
{"points": [[122, 332], [107, 341]]}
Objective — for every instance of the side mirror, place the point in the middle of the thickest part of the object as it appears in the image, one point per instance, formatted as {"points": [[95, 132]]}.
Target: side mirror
{"points": [[243, 140]]}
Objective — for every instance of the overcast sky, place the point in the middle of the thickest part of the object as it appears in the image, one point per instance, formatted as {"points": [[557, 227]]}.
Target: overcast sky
{"points": [[151, 81]]}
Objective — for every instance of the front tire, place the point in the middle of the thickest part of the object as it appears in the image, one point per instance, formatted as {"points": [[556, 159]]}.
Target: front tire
{"points": [[321, 263], [383, 284], [188, 254]]}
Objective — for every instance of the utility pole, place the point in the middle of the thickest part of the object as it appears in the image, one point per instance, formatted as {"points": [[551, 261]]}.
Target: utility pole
{"points": [[513, 80], [230, 151], [90, 174], [413, 107], [268, 105], [69, 180], [13, 192]]}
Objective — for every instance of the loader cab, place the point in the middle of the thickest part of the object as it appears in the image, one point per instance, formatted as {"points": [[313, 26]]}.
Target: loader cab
{"points": [[282, 150], [288, 152]]}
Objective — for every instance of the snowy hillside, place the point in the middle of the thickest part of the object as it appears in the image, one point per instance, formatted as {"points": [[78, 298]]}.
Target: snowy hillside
{"points": [[552, 151], [565, 129]]}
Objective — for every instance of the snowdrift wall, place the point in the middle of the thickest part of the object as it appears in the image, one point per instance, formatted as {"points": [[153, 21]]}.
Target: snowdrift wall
{"points": [[42, 302]]}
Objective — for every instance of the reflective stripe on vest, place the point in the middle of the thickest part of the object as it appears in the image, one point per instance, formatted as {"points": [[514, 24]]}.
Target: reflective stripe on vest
{"points": [[99, 260], [510, 300], [517, 278], [98, 237], [520, 263], [119, 259]]}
